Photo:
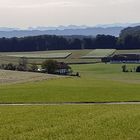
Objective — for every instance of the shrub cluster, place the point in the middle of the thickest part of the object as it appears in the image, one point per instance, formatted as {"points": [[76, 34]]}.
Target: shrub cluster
{"points": [[125, 69], [138, 69], [21, 66], [48, 66]]}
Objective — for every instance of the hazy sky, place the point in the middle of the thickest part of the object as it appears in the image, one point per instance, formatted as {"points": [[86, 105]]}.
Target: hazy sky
{"points": [[24, 13]]}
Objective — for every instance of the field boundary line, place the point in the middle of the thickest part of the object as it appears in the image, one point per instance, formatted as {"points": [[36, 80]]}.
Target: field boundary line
{"points": [[70, 103]]}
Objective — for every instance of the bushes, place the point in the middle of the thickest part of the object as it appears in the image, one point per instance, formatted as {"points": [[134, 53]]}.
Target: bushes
{"points": [[54, 67], [138, 69], [124, 69], [9, 66], [19, 67], [48, 66]]}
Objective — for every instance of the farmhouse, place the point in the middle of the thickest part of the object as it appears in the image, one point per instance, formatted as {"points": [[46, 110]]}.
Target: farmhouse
{"points": [[63, 68], [123, 58]]}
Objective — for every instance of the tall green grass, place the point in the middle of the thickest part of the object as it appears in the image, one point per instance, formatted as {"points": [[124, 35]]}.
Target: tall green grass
{"points": [[98, 122]]}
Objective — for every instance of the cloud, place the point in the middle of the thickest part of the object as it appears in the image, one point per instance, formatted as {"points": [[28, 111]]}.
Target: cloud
{"points": [[44, 3], [120, 2], [64, 12]]}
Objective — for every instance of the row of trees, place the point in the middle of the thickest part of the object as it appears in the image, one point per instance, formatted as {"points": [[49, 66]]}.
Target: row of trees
{"points": [[47, 42], [48, 66], [129, 39]]}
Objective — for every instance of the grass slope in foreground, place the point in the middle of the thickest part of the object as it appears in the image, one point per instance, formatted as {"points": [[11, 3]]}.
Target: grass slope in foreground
{"points": [[98, 122], [98, 83]]}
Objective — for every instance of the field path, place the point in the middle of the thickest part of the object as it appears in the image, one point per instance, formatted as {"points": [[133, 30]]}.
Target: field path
{"points": [[71, 103]]}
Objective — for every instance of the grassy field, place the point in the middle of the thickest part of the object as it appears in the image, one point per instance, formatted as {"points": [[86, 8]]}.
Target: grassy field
{"points": [[97, 122], [99, 53], [98, 83], [127, 51]]}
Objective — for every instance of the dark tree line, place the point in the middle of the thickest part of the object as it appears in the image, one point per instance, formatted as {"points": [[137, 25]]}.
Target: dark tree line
{"points": [[127, 40], [48, 42]]}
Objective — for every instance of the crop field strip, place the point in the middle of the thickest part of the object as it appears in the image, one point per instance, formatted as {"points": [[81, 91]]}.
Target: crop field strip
{"points": [[99, 53], [44, 56], [75, 56], [127, 51], [69, 54]]}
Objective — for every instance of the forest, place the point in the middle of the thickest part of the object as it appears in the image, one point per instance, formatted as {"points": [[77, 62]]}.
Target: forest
{"points": [[129, 39]]}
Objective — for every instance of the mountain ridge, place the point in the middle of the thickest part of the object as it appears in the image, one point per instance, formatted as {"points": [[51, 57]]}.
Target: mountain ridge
{"points": [[107, 29], [114, 31]]}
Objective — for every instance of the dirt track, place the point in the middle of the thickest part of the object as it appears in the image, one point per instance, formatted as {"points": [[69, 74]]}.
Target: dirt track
{"points": [[71, 103]]}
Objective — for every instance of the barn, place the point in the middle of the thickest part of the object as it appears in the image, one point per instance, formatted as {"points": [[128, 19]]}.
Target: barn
{"points": [[123, 58]]}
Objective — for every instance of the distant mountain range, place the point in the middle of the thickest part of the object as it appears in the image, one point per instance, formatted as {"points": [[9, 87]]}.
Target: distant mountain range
{"points": [[41, 28], [119, 25], [108, 29]]}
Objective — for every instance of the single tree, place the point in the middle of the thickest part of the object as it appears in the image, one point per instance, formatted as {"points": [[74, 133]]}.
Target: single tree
{"points": [[124, 68], [138, 69], [50, 66]]}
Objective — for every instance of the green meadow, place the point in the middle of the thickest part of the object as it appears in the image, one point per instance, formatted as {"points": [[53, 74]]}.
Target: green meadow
{"points": [[98, 83], [95, 122]]}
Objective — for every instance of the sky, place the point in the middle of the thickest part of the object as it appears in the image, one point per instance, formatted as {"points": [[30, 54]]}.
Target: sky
{"points": [[27, 13]]}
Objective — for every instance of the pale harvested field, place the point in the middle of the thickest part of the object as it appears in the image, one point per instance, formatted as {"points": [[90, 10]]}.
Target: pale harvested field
{"points": [[12, 77]]}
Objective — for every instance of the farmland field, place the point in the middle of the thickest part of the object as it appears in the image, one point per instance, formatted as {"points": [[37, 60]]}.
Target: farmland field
{"points": [[95, 122], [98, 83], [127, 51], [43, 56], [99, 53], [36, 57], [69, 56], [91, 56]]}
